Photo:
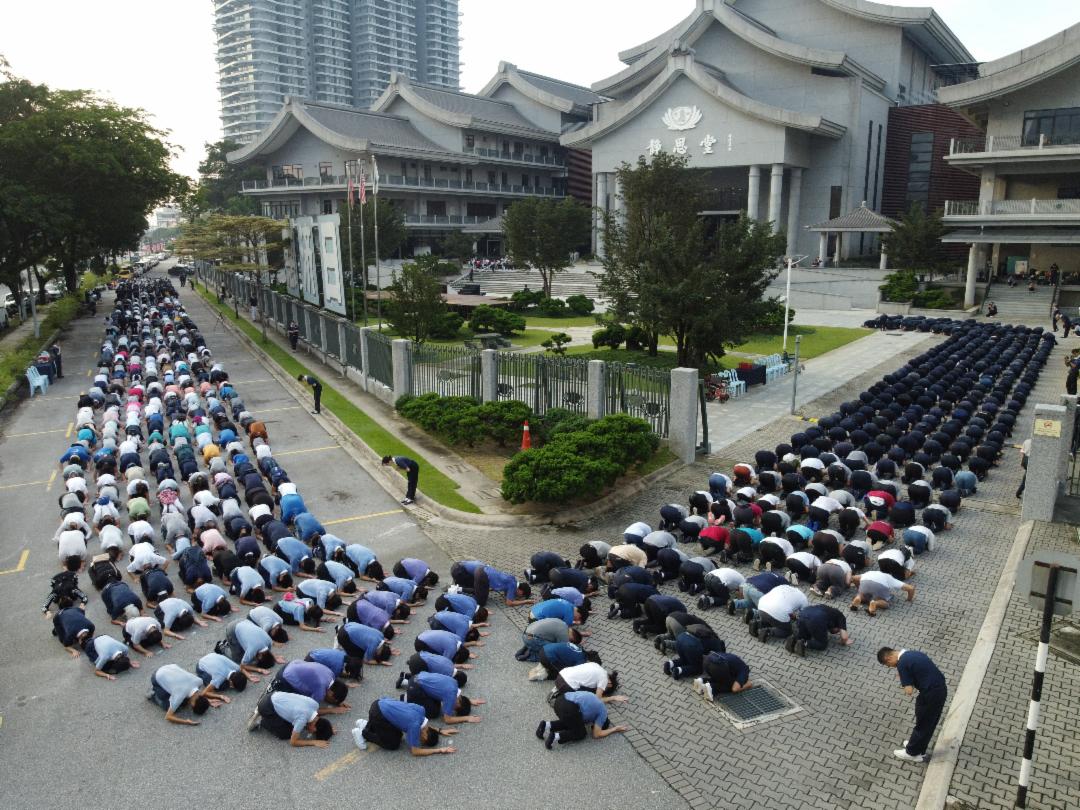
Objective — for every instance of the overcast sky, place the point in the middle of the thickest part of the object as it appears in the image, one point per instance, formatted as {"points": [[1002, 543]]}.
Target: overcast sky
{"points": [[159, 55]]}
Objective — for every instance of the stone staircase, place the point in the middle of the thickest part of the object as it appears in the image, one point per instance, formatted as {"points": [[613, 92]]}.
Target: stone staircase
{"points": [[1019, 305], [576, 281]]}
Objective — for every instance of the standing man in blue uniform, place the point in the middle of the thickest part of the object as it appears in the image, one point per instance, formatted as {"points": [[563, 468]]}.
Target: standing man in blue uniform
{"points": [[412, 475], [918, 673]]}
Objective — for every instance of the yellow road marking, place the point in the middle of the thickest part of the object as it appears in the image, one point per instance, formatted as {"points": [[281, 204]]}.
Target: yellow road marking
{"points": [[33, 433], [89, 371], [351, 757], [249, 382], [27, 484], [362, 517], [71, 426], [284, 408], [309, 450], [21, 566], [48, 487]]}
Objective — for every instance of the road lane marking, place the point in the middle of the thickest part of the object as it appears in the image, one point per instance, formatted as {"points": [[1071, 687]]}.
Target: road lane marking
{"points": [[334, 767], [48, 487], [285, 408], [71, 426], [21, 566], [309, 450], [363, 517], [89, 371], [32, 433], [27, 484]]}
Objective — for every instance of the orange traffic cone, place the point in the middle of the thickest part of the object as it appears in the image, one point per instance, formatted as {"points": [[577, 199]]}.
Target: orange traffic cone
{"points": [[526, 438]]}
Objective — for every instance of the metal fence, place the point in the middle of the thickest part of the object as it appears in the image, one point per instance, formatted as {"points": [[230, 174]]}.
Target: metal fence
{"points": [[381, 359], [446, 370], [638, 391], [543, 382]]}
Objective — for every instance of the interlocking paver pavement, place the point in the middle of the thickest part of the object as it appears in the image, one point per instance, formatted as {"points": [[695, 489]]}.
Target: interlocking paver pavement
{"points": [[837, 751]]}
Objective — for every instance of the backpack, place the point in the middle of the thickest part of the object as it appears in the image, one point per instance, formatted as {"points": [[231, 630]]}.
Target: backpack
{"points": [[65, 584], [103, 571]]}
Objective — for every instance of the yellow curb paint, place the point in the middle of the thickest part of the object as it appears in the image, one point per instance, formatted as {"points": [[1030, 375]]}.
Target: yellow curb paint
{"points": [[334, 767], [33, 433], [309, 450], [52, 478], [363, 517], [21, 566], [71, 426], [27, 484]]}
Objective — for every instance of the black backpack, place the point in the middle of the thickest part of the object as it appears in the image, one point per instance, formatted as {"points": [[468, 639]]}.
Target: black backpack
{"points": [[65, 584], [103, 571]]}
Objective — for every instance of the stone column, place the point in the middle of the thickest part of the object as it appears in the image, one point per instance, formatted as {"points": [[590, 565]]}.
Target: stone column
{"points": [[365, 356], [597, 401], [602, 206], [753, 192], [402, 360], [836, 257], [823, 248], [683, 423], [344, 358], [793, 205], [972, 272], [884, 264], [1044, 462], [776, 191], [1070, 404], [489, 375]]}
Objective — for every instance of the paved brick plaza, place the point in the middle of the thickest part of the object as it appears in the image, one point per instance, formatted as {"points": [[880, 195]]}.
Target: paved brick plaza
{"points": [[836, 752]]}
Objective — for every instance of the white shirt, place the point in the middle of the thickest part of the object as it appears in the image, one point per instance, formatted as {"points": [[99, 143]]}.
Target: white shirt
{"points": [[660, 540], [139, 529], [839, 563], [729, 576], [201, 515], [813, 463], [142, 557], [925, 532], [782, 542], [111, 537], [585, 676], [708, 495], [71, 544], [806, 558], [263, 451], [830, 505], [881, 578], [843, 497], [138, 626], [897, 556], [258, 511], [638, 529], [782, 601], [287, 488]]}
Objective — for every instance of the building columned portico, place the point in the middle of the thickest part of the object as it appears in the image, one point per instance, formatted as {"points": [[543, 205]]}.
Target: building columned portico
{"points": [[783, 107]]}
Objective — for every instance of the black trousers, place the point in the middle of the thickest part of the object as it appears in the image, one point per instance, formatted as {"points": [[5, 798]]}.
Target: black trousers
{"points": [[928, 708], [412, 476], [316, 390], [570, 725], [293, 338], [271, 721]]}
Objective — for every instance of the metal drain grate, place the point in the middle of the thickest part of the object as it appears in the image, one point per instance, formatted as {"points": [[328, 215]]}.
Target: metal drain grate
{"points": [[1064, 640], [757, 705]]}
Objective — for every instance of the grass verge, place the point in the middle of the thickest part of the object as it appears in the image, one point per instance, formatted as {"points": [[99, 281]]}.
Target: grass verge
{"points": [[436, 485], [816, 340], [662, 360]]}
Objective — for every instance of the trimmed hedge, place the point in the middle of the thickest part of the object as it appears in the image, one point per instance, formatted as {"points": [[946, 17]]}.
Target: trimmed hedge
{"points": [[463, 420], [578, 462]]}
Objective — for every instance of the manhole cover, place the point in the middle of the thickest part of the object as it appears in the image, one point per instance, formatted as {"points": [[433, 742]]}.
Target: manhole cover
{"points": [[757, 705], [1064, 640]]}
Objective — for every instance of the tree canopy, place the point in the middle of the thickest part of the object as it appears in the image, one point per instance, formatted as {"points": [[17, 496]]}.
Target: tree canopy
{"points": [[416, 308], [542, 233], [915, 242], [218, 187], [671, 274], [391, 232], [78, 176]]}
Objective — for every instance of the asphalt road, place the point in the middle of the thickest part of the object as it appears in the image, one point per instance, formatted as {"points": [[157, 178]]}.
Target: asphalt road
{"points": [[69, 738]]}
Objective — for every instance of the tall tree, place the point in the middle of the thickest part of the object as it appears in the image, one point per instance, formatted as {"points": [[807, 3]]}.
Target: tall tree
{"points": [[238, 244], [218, 187], [416, 303], [669, 274], [543, 233], [392, 234], [915, 242], [457, 246], [78, 175]]}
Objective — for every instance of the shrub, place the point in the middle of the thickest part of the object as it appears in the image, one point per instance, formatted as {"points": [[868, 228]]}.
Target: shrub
{"points": [[771, 319], [635, 339], [610, 336], [491, 319], [552, 308], [578, 463], [899, 287], [503, 420], [556, 344], [524, 299], [464, 421], [447, 325], [553, 420], [580, 304], [934, 298]]}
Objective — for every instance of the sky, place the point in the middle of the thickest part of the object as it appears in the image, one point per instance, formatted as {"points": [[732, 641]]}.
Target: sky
{"points": [[159, 54]]}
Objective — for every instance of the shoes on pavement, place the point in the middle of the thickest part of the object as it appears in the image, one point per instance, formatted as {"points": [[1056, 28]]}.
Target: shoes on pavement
{"points": [[667, 666], [552, 738], [815, 591], [763, 634], [698, 685], [707, 692], [731, 607], [407, 501], [789, 644], [757, 564], [542, 729], [800, 648], [254, 721], [901, 753]]}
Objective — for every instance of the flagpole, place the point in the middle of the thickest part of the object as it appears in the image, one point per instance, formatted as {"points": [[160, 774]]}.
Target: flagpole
{"points": [[350, 304], [378, 268]]}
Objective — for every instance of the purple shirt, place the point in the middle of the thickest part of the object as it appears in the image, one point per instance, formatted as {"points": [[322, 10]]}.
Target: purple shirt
{"points": [[370, 615], [416, 569]]}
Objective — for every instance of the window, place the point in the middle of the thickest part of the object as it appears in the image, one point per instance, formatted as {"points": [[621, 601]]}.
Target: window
{"points": [[505, 179], [478, 209], [436, 208], [328, 206], [281, 210], [519, 147], [836, 194], [1061, 126], [293, 172], [524, 179], [328, 245], [492, 179], [470, 141], [326, 171], [920, 160], [468, 175], [901, 96]]}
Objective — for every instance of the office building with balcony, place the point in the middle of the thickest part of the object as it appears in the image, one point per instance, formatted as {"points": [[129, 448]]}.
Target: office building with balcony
{"points": [[784, 107], [327, 51], [451, 161], [1026, 214]]}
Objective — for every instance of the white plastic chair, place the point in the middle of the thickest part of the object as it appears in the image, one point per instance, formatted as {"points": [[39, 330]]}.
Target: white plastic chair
{"points": [[37, 381], [736, 387]]}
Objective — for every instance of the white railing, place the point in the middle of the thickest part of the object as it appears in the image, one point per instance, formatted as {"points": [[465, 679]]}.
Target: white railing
{"points": [[399, 181], [1033, 207], [448, 219], [1005, 143], [514, 157]]}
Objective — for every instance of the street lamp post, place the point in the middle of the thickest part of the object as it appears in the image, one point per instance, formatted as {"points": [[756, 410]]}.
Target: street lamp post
{"points": [[791, 262]]}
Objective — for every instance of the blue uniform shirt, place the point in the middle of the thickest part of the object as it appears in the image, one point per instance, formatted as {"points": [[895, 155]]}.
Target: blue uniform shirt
{"points": [[361, 556], [553, 609], [406, 717], [208, 595], [333, 660], [405, 588], [294, 552], [438, 663], [593, 710], [454, 622], [462, 603], [217, 667], [502, 581], [440, 642], [916, 669], [563, 654], [441, 687], [317, 589], [366, 638]]}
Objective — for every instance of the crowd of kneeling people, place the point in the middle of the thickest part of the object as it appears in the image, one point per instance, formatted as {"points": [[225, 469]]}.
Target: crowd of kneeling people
{"points": [[837, 509]]}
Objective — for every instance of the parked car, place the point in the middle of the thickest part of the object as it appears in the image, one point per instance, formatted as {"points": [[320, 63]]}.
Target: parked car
{"points": [[53, 291]]}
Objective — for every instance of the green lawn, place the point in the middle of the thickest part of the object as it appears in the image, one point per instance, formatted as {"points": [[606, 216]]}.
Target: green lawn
{"points": [[436, 485], [560, 323], [663, 359], [816, 340], [530, 337]]}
